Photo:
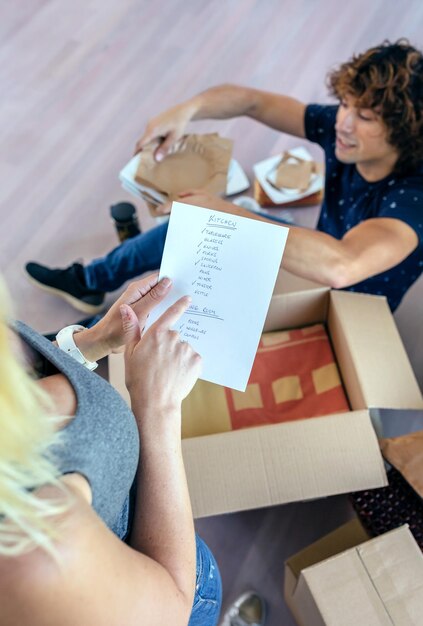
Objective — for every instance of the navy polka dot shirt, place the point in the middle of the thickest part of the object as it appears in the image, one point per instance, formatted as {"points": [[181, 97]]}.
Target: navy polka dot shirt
{"points": [[349, 200]]}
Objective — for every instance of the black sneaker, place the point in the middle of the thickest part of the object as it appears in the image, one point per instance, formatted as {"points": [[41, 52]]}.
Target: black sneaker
{"points": [[67, 283]]}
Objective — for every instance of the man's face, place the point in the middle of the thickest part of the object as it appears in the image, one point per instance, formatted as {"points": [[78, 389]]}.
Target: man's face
{"points": [[361, 136]]}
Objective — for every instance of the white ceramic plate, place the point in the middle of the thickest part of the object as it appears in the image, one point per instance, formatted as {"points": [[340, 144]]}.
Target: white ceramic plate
{"points": [[266, 168], [237, 180]]}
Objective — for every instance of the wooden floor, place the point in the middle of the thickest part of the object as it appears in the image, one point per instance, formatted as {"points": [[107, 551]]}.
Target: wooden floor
{"points": [[80, 78]]}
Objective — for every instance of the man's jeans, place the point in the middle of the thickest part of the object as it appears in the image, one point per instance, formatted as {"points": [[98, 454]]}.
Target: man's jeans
{"points": [[208, 590], [142, 253], [133, 257]]}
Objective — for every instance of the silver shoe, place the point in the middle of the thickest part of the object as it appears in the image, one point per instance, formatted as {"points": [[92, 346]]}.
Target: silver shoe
{"points": [[248, 610]]}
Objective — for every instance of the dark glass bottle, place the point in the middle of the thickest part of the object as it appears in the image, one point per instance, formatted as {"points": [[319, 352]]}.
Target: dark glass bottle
{"points": [[124, 216]]}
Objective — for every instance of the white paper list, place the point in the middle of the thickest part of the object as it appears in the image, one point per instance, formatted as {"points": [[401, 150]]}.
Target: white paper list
{"points": [[228, 265]]}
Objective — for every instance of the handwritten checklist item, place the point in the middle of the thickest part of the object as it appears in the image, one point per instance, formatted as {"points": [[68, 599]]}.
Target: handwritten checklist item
{"points": [[228, 265]]}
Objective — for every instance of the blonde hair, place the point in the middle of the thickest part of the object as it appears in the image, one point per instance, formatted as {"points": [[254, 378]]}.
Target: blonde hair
{"points": [[26, 433]]}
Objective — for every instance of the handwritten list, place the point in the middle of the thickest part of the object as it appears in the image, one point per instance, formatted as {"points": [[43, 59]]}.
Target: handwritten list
{"points": [[228, 265]]}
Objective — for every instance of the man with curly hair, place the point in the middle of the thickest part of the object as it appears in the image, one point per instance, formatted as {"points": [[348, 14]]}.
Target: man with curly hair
{"points": [[369, 236]]}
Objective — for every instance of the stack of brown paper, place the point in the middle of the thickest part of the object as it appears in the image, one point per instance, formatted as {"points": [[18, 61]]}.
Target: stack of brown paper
{"points": [[293, 172], [196, 161], [405, 453]]}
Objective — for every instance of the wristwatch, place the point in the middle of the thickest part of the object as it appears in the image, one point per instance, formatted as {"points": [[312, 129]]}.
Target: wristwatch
{"points": [[66, 342]]}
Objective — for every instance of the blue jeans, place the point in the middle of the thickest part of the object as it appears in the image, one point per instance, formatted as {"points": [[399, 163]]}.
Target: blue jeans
{"points": [[133, 257], [208, 589], [142, 253]]}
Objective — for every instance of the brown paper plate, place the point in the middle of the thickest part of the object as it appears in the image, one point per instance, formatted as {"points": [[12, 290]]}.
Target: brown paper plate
{"points": [[197, 161], [293, 173]]}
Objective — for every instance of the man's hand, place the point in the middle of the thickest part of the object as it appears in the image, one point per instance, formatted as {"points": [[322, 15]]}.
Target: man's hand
{"points": [[201, 198], [167, 128], [205, 199]]}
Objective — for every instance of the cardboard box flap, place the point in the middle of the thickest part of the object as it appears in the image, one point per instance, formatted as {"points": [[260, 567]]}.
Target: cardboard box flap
{"points": [[379, 582], [339, 591], [374, 365], [347, 536], [290, 283], [296, 302], [343, 538], [395, 564], [282, 463]]}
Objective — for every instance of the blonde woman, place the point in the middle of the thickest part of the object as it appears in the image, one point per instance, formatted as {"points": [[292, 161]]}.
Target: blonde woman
{"points": [[95, 519]]}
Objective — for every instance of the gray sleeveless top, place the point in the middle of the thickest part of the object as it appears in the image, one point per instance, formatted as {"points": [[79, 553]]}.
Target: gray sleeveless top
{"points": [[101, 442]]}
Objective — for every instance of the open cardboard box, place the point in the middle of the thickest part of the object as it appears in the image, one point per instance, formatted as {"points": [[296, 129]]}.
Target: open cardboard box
{"points": [[345, 579], [274, 464]]}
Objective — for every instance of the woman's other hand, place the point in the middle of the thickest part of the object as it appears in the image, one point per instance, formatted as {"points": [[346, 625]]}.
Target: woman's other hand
{"points": [[160, 369]]}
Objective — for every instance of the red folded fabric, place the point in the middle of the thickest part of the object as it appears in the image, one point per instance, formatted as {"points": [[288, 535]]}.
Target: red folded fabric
{"points": [[294, 376]]}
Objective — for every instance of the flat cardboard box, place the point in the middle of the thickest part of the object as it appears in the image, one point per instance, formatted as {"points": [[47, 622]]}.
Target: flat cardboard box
{"points": [[341, 581], [312, 458]]}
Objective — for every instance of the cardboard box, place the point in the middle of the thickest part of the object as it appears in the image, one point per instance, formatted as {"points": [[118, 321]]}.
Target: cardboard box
{"points": [[375, 583], [275, 464]]}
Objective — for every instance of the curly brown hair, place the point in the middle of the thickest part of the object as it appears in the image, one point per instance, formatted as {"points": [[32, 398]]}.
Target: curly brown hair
{"points": [[388, 79]]}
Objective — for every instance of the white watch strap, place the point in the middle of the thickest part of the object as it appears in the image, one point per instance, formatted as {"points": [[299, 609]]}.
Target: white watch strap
{"points": [[66, 342]]}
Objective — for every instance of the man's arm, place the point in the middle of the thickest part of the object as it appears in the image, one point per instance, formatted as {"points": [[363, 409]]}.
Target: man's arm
{"points": [[281, 112], [226, 101], [370, 248]]}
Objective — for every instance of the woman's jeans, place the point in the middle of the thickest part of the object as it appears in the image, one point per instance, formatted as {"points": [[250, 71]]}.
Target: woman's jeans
{"points": [[208, 590], [142, 253]]}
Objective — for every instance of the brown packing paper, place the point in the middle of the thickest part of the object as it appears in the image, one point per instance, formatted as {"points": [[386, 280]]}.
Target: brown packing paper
{"points": [[293, 172], [405, 453], [197, 161]]}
